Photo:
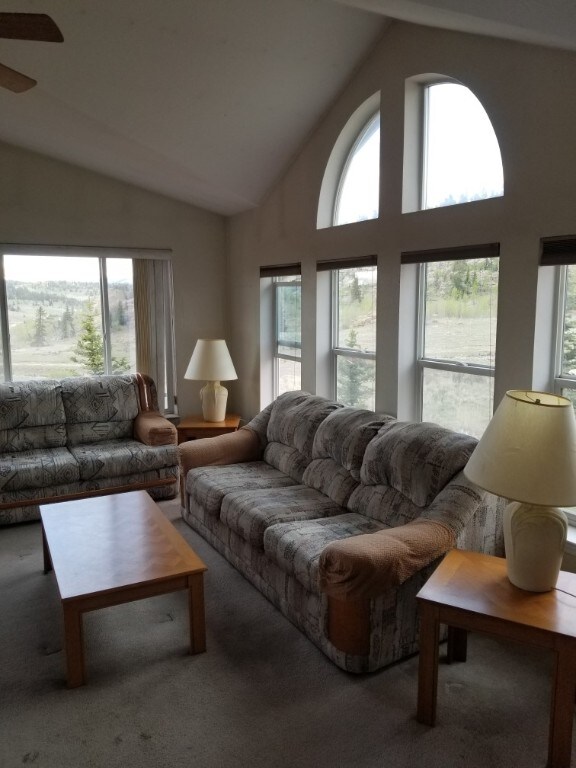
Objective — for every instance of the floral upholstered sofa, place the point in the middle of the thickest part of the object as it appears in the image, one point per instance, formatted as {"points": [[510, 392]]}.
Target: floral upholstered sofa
{"points": [[339, 515], [80, 437]]}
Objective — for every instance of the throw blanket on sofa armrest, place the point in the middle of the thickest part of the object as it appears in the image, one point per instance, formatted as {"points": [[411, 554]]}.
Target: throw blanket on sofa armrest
{"points": [[367, 565], [151, 428]]}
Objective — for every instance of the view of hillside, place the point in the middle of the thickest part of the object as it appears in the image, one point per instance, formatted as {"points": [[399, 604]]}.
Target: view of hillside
{"points": [[56, 328]]}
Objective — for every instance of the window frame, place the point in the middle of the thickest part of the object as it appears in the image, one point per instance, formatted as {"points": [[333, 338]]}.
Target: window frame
{"points": [[163, 299], [361, 136], [423, 363], [277, 356], [336, 350]]}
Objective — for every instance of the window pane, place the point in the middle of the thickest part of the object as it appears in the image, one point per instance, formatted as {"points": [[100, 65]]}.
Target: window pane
{"points": [[569, 330], [459, 401], [357, 309], [358, 191], [54, 316], [287, 375], [119, 274], [462, 157], [460, 311], [355, 381], [288, 319]]}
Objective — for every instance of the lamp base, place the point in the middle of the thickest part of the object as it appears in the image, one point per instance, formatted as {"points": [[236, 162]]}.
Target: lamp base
{"points": [[214, 397], [534, 537]]}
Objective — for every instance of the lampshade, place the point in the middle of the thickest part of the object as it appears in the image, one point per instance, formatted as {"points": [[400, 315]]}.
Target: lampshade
{"points": [[210, 361], [528, 451]]}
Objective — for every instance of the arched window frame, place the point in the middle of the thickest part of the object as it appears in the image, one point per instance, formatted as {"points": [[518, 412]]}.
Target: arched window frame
{"points": [[339, 156], [415, 134]]}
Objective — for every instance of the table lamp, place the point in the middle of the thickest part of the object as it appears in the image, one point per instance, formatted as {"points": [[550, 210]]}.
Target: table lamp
{"points": [[211, 362], [528, 455]]}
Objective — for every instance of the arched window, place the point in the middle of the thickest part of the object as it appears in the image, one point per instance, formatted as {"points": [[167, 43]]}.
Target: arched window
{"points": [[358, 190], [351, 182], [460, 153]]}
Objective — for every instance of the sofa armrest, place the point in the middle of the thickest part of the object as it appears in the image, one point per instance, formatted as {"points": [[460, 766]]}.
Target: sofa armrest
{"points": [[366, 566], [230, 448], [151, 428]]}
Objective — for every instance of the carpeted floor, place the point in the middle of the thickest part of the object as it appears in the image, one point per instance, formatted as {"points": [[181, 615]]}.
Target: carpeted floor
{"points": [[261, 696]]}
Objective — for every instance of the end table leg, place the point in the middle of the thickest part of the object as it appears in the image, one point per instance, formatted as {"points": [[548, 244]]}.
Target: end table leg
{"points": [[428, 663], [562, 708], [74, 646], [196, 613]]}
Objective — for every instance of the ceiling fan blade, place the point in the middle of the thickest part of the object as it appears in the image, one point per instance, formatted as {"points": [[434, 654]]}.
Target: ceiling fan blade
{"points": [[15, 81], [29, 26]]}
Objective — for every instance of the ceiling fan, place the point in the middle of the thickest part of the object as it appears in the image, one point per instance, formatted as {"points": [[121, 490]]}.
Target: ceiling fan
{"points": [[25, 26]]}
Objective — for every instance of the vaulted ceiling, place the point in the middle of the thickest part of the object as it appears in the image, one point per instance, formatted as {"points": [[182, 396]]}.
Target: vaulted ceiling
{"points": [[207, 101]]}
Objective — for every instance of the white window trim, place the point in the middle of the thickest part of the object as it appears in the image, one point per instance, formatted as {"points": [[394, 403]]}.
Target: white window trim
{"points": [[163, 300], [275, 354], [432, 363]]}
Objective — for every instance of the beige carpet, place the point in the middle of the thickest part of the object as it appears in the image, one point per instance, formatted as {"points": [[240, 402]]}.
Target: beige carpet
{"points": [[262, 695]]}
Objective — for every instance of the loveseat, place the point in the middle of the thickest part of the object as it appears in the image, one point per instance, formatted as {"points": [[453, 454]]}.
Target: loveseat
{"points": [[339, 515], [79, 437]]}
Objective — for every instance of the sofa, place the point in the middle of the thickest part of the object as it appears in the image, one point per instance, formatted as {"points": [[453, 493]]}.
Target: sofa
{"points": [[78, 437], [338, 516]]}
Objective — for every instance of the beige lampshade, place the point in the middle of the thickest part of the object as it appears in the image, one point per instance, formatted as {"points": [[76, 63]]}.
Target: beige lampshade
{"points": [[210, 361], [528, 451]]}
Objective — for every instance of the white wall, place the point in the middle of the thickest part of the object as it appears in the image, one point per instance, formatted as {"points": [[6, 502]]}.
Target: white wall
{"points": [[529, 95], [46, 202]]}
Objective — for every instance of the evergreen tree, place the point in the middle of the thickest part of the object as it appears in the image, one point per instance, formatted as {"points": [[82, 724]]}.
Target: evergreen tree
{"points": [[353, 376], [90, 345], [40, 330], [67, 328]]}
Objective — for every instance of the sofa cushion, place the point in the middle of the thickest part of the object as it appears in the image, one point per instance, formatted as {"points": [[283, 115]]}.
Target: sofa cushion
{"points": [[99, 408], [296, 547], [415, 459], [338, 450], [38, 468], [113, 458], [209, 485], [294, 419], [249, 513], [31, 416]]}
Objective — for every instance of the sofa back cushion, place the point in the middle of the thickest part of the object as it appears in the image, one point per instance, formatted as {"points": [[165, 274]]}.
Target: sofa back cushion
{"points": [[31, 416], [294, 419], [338, 451], [99, 408], [405, 467]]}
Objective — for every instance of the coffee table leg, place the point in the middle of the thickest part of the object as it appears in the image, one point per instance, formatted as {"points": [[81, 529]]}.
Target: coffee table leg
{"points": [[196, 613], [74, 646], [562, 709], [428, 664], [46, 553]]}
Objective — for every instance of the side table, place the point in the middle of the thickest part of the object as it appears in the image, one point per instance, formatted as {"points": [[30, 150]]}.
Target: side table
{"points": [[194, 427], [471, 591]]}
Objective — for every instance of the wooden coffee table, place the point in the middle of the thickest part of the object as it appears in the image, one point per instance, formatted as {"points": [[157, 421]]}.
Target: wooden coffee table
{"points": [[115, 549], [471, 591]]}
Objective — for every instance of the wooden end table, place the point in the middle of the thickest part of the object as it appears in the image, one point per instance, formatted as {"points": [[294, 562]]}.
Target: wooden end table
{"points": [[471, 591], [194, 427], [115, 549]]}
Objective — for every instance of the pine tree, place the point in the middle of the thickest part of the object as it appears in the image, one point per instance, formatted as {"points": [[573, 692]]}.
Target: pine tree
{"points": [[353, 376], [40, 330], [90, 345]]}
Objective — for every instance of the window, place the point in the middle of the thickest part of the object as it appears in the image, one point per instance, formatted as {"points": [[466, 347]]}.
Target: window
{"points": [[354, 334], [461, 156], [457, 336], [565, 362], [288, 342], [358, 191], [64, 314]]}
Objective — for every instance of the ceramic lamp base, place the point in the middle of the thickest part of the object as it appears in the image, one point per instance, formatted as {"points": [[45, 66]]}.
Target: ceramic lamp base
{"points": [[535, 538], [214, 397]]}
